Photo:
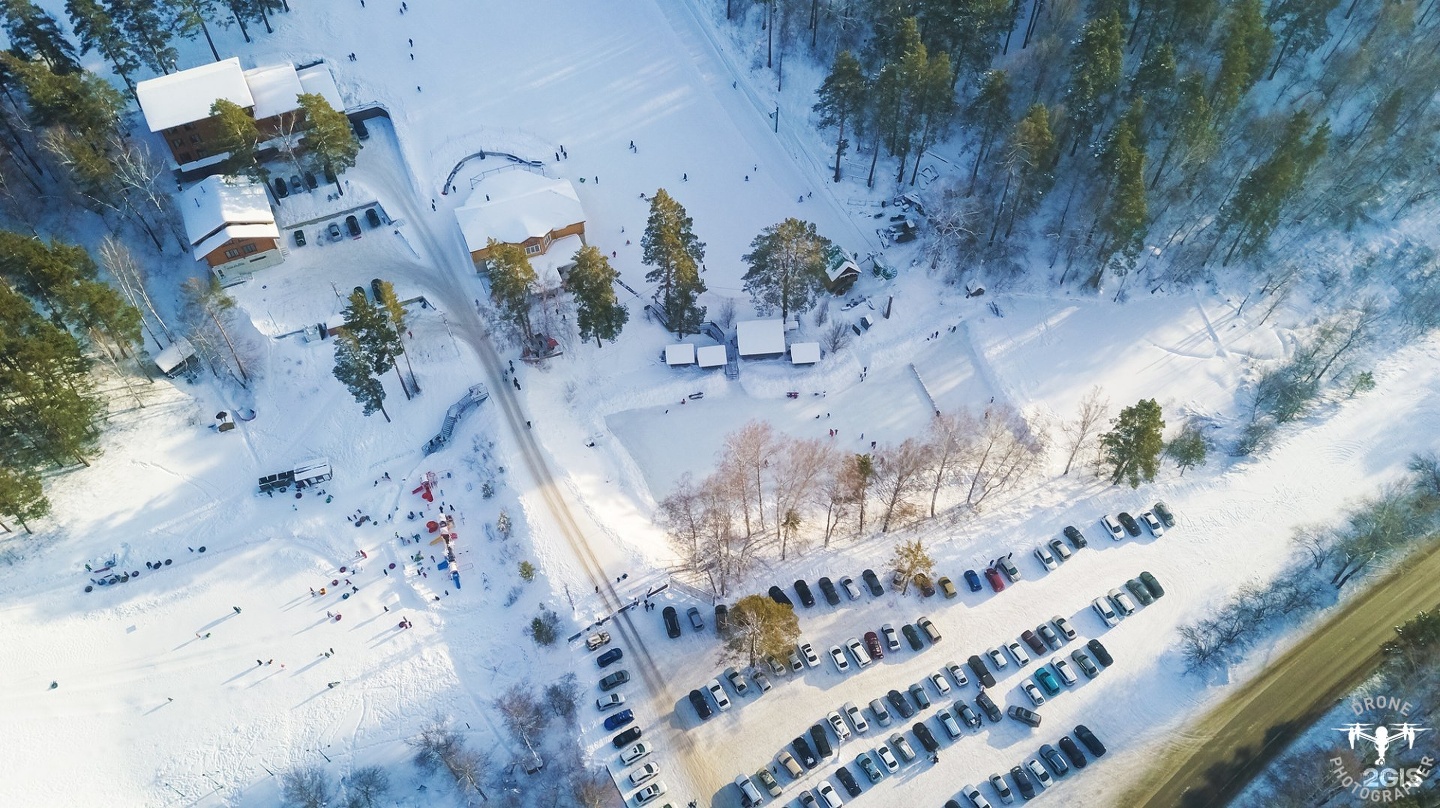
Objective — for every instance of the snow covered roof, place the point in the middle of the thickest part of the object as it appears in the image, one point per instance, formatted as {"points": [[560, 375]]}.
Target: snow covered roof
{"points": [[174, 356], [275, 89], [512, 206], [317, 79], [186, 96], [761, 337], [838, 263], [804, 353], [710, 356], [217, 209], [681, 354], [561, 254]]}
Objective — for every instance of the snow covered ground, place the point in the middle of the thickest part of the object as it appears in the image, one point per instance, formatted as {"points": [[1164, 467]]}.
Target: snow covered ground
{"points": [[155, 712]]}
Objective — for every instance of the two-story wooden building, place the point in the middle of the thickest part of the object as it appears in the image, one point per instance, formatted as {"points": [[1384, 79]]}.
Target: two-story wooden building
{"points": [[231, 227], [521, 207]]}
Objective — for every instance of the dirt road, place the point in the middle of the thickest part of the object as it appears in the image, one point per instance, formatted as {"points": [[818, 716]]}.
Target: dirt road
{"points": [[1224, 750]]}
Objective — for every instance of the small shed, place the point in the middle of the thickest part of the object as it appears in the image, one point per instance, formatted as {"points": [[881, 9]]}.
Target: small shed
{"points": [[804, 353], [680, 354], [174, 360], [710, 356], [761, 339]]}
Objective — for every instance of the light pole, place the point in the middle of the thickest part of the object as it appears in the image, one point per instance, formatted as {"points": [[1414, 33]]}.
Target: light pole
{"points": [[776, 116]]}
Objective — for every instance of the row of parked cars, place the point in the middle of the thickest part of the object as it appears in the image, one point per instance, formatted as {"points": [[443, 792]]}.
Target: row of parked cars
{"points": [[1120, 602], [1032, 776], [644, 775]]}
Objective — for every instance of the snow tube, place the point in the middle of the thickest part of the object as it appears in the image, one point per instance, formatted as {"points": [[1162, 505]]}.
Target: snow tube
{"points": [[337, 617], [335, 582], [344, 595], [432, 526], [443, 565], [322, 590], [201, 550], [342, 569], [392, 565], [167, 562], [89, 588]]}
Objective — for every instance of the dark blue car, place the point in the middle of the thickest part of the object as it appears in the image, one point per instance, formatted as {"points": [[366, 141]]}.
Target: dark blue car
{"points": [[619, 719], [972, 578]]}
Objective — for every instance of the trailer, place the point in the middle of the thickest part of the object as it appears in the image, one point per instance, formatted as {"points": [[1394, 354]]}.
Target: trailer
{"points": [[303, 475]]}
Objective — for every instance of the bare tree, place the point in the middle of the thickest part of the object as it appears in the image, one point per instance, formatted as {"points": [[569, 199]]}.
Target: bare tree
{"points": [[836, 337], [899, 475], [681, 516], [205, 303], [366, 787], [306, 787], [1318, 545], [562, 695], [593, 789], [797, 473], [951, 438], [522, 714], [436, 742], [288, 138], [834, 494], [725, 313], [1094, 409], [130, 277], [1006, 453], [749, 450], [142, 176]]}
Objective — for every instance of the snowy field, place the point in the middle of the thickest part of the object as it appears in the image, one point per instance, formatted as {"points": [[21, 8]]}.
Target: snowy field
{"points": [[167, 695]]}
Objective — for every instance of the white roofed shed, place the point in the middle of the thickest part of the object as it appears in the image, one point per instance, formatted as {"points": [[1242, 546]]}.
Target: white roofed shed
{"points": [[804, 353], [710, 356], [759, 338], [680, 354]]}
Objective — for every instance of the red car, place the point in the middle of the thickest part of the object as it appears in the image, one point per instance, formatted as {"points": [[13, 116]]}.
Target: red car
{"points": [[997, 581], [872, 644]]}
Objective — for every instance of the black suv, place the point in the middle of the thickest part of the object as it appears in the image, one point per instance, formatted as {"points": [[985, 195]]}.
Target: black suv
{"points": [[848, 781], [982, 673], [827, 588], [1128, 522], [672, 622], [924, 736], [992, 712], [802, 751], [803, 590], [1072, 751], [1077, 539], [702, 707], [1088, 738]]}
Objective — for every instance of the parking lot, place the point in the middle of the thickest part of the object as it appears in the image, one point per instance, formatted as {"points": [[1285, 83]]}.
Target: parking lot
{"points": [[753, 731]]}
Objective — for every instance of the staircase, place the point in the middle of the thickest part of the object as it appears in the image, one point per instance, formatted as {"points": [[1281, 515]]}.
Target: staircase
{"points": [[458, 410]]}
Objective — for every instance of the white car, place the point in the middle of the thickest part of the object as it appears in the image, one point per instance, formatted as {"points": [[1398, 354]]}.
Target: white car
{"points": [[858, 651], [1036, 697], [1102, 608], [1067, 674], [887, 759], [892, 642], [649, 793], [647, 772], [856, 717], [1063, 626], [748, 789], [949, 724], [1123, 603], [837, 655], [1043, 553], [976, 798], [1116, 531], [842, 732], [1038, 772], [808, 652], [958, 673], [851, 590], [634, 753], [609, 702], [718, 693], [938, 679], [1156, 529], [828, 795], [997, 659], [1021, 658]]}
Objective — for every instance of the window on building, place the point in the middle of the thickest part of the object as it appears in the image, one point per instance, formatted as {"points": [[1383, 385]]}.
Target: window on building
{"points": [[189, 127], [532, 249], [232, 253], [194, 138], [178, 143], [249, 248]]}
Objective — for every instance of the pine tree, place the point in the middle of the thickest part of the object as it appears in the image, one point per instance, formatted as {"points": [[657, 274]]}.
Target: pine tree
{"points": [[759, 627], [787, 267], [908, 110], [1302, 24], [934, 106], [1133, 444], [1254, 211], [352, 368], [238, 134], [1187, 449], [1125, 218], [375, 334], [674, 253], [988, 114], [389, 303], [329, 137], [149, 26], [1095, 64], [1154, 83], [842, 99], [34, 34], [97, 30], [1191, 126], [1245, 48], [512, 282], [21, 496], [597, 312], [1028, 160], [81, 102], [910, 559], [968, 30]]}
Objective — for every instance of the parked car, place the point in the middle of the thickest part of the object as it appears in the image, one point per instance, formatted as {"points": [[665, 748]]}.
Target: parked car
{"points": [[997, 581], [1052, 640], [795, 664], [672, 622], [987, 705], [972, 580], [938, 680], [281, 189], [887, 758], [776, 666], [1002, 790], [857, 718], [1008, 567], [1122, 601], [851, 590], [299, 238], [626, 738], [872, 644], [803, 590], [351, 224], [882, 713], [1046, 559], [702, 707], [634, 753], [997, 658], [1060, 550], [1131, 526], [609, 702], [892, 641], [1033, 641], [867, 765], [837, 656], [900, 703], [1054, 760], [827, 588], [614, 680], [1091, 742], [597, 640], [1063, 626], [912, 636], [838, 725], [1023, 783], [717, 692], [802, 751], [778, 595], [949, 724], [808, 652], [788, 761], [1105, 611], [1038, 772], [1116, 531], [1064, 671], [967, 714], [1151, 583], [722, 619], [925, 737], [649, 793], [736, 681], [333, 231], [821, 741], [1156, 529], [947, 588], [847, 781], [858, 651], [973, 795], [982, 673], [1166, 517], [644, 773], [929, 629], [1140, 592], [372, 218], [1048, 681], [828, 795], [1029, 718], [749, 794], [696, 621], [1083, 661], [872, 583], [807, 800], [1072, 752], [1021, 658], [1076, 538], [609, 657], [1032, 691], [917, 692], [902, 747], [1102, 655], [957, 673], [897, 580], [310, 182], [922, 580], [761, 681]]}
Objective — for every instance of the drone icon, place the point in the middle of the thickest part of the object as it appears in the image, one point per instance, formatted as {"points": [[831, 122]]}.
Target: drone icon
{"points": [[1382, 737]]}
